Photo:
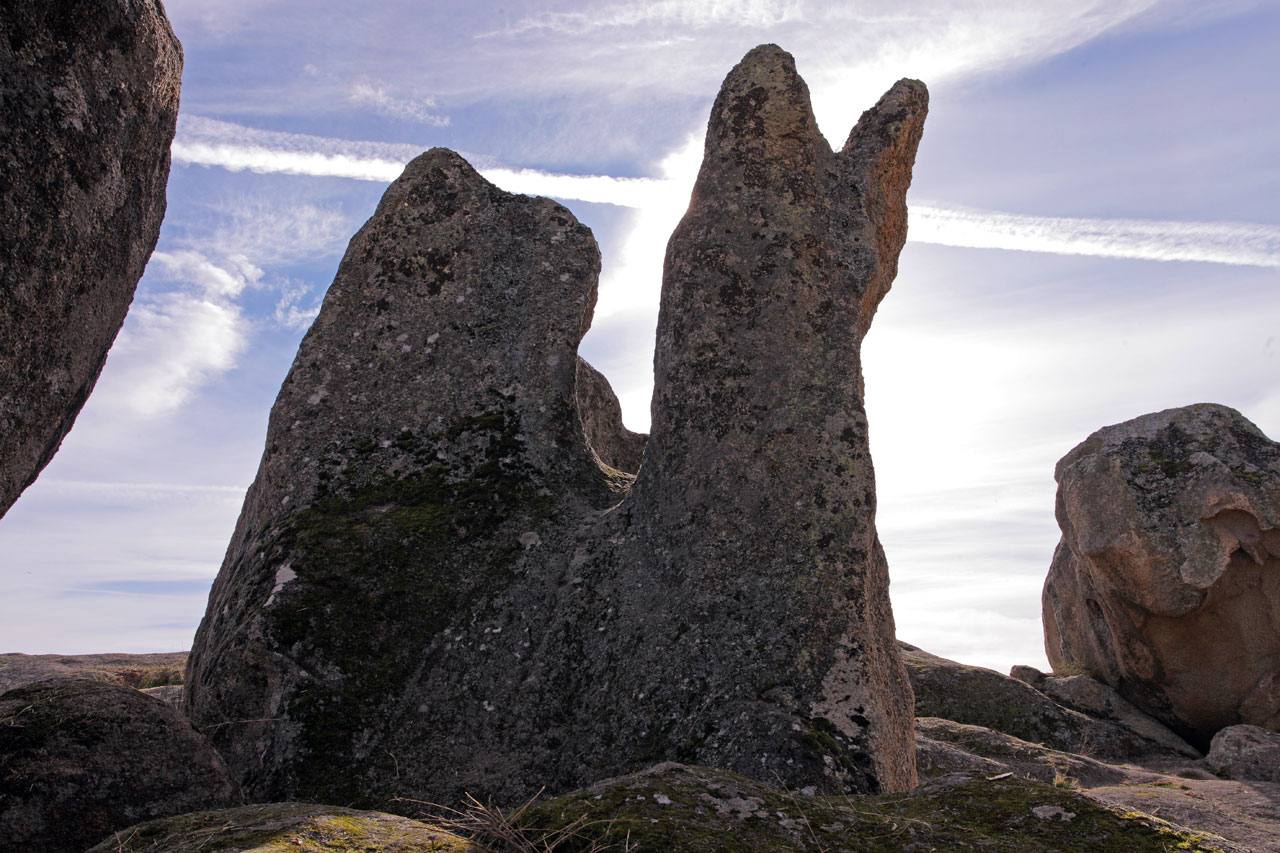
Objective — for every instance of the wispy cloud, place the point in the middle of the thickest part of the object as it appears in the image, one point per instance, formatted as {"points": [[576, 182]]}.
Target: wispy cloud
{"points": [[1235, 243], [684, 13], [380, 98], [204, 141]]}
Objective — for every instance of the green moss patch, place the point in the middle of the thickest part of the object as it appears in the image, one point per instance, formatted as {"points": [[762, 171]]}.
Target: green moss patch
{"points": [[284, 827], [674, 807]]}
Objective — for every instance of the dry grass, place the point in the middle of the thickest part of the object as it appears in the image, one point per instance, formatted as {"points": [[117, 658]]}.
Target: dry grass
{"points": [[500, 830]]}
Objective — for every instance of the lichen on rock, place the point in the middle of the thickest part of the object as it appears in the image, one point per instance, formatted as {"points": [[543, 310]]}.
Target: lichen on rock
{"points": [[1166, 584], [439, 583]]}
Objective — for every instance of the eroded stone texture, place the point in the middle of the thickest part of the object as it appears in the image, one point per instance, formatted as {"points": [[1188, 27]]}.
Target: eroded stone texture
{"points": [[89, 95], [1166, 584], [80, 758], [614, 444], [1091, 726], [435, 586]]}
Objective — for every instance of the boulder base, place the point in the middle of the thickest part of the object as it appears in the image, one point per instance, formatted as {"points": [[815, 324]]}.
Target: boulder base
{"points": [[79, 759]]}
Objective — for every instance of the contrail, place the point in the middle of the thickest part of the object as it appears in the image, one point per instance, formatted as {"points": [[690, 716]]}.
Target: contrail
{"points": [[206, 142], [1237, 243]]}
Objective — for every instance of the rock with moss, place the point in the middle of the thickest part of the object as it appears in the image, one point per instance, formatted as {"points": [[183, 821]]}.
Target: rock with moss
{"points": [[89, 90], [613, 444], [700, 810], [80, 759], [982, 697], [1165, 582], [284, 828], [435, 586]]}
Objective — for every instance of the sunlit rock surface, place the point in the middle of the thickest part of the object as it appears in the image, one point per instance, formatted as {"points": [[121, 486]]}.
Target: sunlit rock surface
{"points": [[1166, 584]]}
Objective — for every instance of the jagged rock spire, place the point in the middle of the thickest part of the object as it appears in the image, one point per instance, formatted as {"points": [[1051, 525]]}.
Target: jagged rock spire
{"points": [[434, 587]]}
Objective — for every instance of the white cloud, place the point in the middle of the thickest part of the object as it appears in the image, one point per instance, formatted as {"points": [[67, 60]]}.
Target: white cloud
{"points": [[171, 344], [381, 100], [697, 14], [290, 312]]}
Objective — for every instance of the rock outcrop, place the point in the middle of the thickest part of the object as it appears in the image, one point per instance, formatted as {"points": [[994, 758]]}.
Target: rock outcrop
{"points": [[435, 586], [982, 697], [613, 444], [1245, 752], [1166, 584], [80, 759], [90, 99], [284, 826]]}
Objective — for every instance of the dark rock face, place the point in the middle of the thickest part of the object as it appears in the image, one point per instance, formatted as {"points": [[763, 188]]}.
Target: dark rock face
{"points": [[80, 759], [435, 586], [613, 444], [983, 697], [90, 99], [1166, 584]]}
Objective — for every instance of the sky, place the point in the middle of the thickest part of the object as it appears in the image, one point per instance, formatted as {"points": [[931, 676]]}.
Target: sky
{"points": [[1093, 236]]}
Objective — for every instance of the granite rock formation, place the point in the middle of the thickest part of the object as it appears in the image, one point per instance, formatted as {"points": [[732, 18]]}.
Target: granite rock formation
{"points": [[1245, 752], [982, 697], [80, 759], [89, 90], [1166, 584], [613, 444], [436, 586], [1091, 697]]}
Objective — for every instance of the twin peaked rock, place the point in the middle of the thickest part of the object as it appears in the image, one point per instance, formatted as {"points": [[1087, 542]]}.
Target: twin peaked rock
{"points": [[435, 585]]}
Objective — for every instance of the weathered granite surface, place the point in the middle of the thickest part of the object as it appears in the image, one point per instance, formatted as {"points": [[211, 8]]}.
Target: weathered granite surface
{"points": [[613, 444], [80, 759], [982, 697], [88, 104], [1245, 752], [435, 586], [1166, 584]]}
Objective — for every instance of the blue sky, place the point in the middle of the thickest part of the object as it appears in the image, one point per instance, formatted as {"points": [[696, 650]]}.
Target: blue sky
{"points": [[1094, 235]]}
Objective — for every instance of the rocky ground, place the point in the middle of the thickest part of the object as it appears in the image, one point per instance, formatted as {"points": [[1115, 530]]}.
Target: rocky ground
{"points": [[140, 671], [1013, 768]]}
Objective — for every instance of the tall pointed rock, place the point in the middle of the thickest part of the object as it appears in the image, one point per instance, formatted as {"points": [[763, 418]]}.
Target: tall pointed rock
{"points": [[436, 586], [757, 495]]}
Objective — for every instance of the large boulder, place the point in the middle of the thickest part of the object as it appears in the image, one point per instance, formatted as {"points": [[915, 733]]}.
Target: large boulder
{"points": [[283, 827], [1245, 752], [80, 758], [90, 99], [1166, 584], [982, 697], [436, 586]]}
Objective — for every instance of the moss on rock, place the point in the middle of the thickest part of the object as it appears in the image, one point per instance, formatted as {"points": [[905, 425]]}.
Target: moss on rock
{"points": [[699, 810], [283, 827]]}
